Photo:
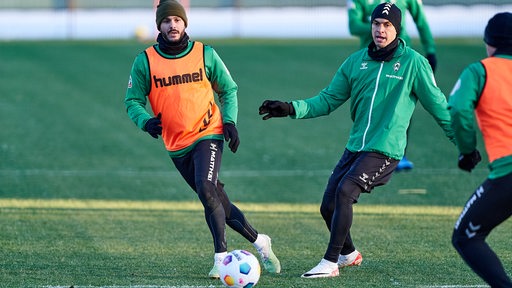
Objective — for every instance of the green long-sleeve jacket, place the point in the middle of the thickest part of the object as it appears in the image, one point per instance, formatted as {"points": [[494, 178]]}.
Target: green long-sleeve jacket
{"points": [[221, 81], [462, 103], [360, 12], [383, 96]]}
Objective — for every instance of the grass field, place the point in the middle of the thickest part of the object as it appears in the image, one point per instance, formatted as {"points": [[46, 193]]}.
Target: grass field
{"points": [[89, 200]]}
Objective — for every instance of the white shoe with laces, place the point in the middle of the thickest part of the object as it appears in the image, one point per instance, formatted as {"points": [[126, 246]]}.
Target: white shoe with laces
{"points": [[324, 269]]}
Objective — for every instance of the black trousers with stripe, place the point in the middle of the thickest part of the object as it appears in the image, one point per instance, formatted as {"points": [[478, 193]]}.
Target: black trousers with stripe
{"points": [[356, 172], [200, 168], [489, 206]]}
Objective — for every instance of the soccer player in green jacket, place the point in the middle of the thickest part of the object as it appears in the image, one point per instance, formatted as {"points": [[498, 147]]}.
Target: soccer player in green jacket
{"points": [[483, 95], [359, 12], [180, 78], [383, 82]]}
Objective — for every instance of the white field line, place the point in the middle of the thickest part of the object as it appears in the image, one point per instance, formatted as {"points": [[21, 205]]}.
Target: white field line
{"points": [[213, 286], [173, 173], [132, 286], [157, 173], [453, 286]]}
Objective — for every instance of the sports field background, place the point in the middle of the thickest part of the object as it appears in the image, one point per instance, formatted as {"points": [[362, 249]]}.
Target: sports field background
{"points": [[89, 200]]}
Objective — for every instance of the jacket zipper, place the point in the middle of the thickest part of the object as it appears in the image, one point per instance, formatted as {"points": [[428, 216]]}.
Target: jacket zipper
{"points": [[371, 106]]}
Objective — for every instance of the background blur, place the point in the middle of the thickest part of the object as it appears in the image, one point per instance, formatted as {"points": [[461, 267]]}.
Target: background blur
{"points": [[124, 19]]}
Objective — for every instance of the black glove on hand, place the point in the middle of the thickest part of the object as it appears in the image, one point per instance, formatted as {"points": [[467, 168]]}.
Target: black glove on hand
{"points": [[468, 161], [432, 60], [274, 108], [231, 135], [154, 126]]}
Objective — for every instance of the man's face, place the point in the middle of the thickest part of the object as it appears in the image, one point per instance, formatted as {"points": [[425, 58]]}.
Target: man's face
{"points": [[383, 32], [172, 28]]}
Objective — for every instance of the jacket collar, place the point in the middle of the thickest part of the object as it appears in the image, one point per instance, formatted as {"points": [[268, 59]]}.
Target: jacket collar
{"points": [[400, 50]]}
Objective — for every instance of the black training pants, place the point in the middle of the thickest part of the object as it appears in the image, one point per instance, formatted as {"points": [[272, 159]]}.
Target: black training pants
{"points": [[200, 168], [356, 172], [489, 206]]}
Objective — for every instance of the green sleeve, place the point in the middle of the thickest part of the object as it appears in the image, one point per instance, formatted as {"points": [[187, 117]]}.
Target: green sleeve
{"points": [[430, 96], [462, 103], [328, 100], [223, 84], [359, 21], [137, 91], [418, 15]]}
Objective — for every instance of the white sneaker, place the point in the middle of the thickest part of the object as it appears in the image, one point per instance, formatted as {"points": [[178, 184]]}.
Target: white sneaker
{"points": [[217, 260], [353, 259], [268, 258], [323, 269]]}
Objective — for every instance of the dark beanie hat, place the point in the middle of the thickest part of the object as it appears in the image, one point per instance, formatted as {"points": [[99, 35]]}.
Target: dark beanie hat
{"points": [[390, 12], [168, 8], [498, 32]]}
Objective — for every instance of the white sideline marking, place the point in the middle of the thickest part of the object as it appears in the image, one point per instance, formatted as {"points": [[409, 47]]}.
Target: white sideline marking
{"points": [[160, 173], [213, 286], [453, 286], [131, 286], [229, 173]]}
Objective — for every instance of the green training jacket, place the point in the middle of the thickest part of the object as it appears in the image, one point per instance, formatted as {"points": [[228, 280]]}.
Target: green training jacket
{"points": [[462, 103], [360, 12], [221, 81], [383, 96]]}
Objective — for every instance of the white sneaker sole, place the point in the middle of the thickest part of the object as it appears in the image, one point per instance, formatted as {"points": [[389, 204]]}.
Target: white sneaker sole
{"points": [[334, 273]]}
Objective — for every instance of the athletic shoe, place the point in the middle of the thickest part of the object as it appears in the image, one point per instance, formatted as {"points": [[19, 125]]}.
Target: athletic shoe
{"points": [[214, 273], [322, 270], [353, 259], [404, 164], [217, 261], [268, 258]]}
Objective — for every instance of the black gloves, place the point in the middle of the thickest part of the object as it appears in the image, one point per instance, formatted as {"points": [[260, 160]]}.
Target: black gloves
{"points": [[230, 133], [274, 108], [154, 126], [432, 60], [468, 161]]}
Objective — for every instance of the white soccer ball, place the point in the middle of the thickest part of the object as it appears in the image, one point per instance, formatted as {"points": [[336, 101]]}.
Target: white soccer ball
{"points": [[240, 269]]}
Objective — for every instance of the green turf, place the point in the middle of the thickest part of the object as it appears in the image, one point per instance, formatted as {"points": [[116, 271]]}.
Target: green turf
{"points": [[87, 199]]}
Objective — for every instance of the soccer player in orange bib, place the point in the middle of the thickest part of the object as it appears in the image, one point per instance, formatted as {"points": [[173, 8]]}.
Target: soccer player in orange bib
{"points": [[180, 78], [483, 93]]}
